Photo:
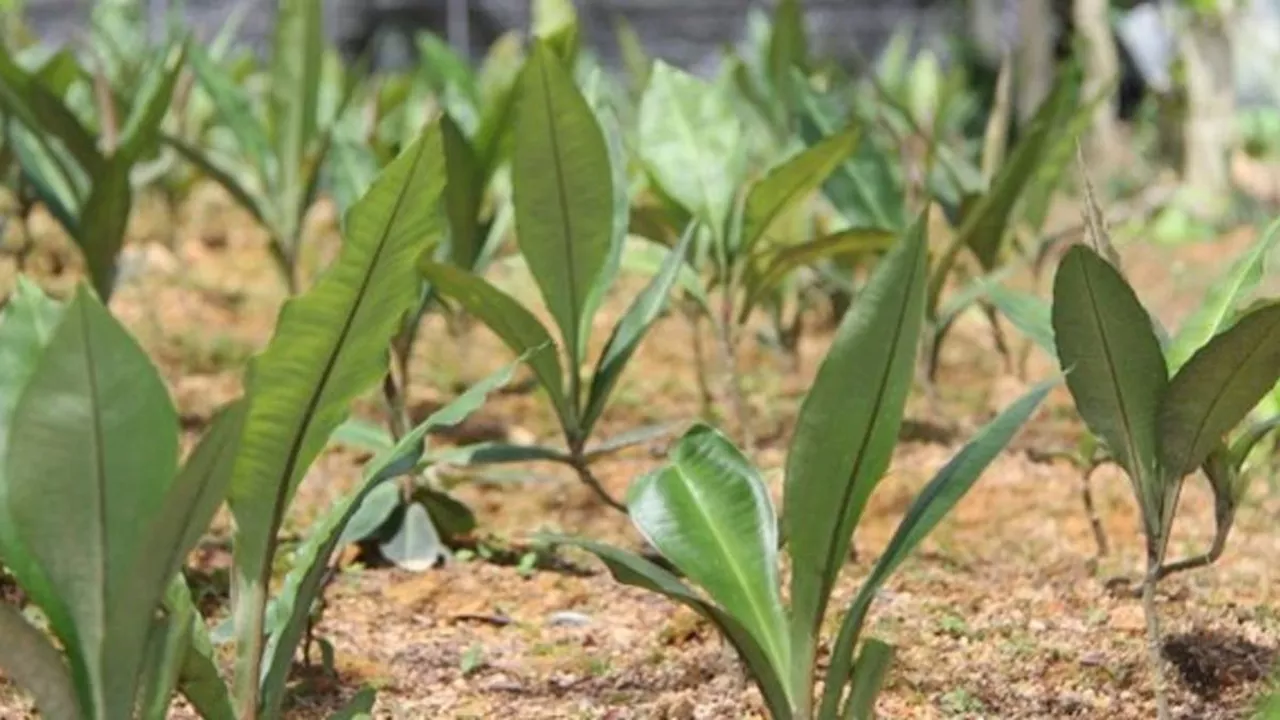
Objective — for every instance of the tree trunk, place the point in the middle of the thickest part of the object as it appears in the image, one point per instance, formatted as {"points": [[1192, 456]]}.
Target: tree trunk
{"points": [[1205, 47], [1101, 68], [1034, 56]]}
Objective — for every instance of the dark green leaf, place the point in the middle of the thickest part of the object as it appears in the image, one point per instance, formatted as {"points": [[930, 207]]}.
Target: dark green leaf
{"points": [[769, 269], [463, 195], [869, 674]]}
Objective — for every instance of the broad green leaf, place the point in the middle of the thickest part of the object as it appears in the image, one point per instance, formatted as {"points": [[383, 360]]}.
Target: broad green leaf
{"points": [[329, 347], [103, 222], [635, 571], [934, 502], [138, 136], [92, 453], [1223, 300], [563, 193], [791, 182], [293, 102], [1115, 368], [708, 511], [846, 431], [233, 105], [1217, 388], [463, 195], [768, 269], [869, 674], [33, 664], [510, 321], [311, 560], [689, 138], [631, 329]]}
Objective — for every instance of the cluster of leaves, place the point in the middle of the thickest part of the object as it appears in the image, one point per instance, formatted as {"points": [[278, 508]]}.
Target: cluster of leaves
{"points": [[708, 510], [96, 526]]}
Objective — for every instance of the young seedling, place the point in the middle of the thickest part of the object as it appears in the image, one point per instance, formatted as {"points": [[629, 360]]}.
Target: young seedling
{"points": [[81, 172], [709, 513], [276, 175], [571, 218], [1159, 428]]}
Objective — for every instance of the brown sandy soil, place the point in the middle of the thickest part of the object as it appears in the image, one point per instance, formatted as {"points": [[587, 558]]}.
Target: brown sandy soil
{"points": [[1004, 613]]}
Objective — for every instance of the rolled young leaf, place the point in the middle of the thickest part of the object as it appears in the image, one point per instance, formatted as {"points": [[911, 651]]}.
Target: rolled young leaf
{"points": [[845, 434], [1217, 388], [1115, 368], [562, 192], [934, 502], [329, 347], [92, 453], [708, 511]]}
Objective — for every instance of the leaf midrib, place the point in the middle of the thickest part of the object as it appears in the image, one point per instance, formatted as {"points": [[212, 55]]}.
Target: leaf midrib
{"points": [[1217, 398], [100, 480], [566, 217], [740, 575]]}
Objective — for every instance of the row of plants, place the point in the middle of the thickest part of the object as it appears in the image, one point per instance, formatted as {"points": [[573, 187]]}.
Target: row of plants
{"points": [[779, 181]]}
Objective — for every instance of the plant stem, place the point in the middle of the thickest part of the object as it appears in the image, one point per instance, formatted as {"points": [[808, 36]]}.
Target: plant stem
{"points": [[705, 397], [580, 466], [1091, 510], [737, 396], [1154, 640]]}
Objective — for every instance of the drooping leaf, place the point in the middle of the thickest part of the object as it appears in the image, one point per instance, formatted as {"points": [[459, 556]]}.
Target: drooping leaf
{"points": [[293, 605], [1223, 300], [92, 453], [791, 182], [1031, 315], [563, 193], [1115, 368], [934, 502], [708, 511], [330, 346], [846, 431], [689, 139], [635, 571], [769, 269], [362, 435], [1215, 390], [631, 328], [510, 321]]}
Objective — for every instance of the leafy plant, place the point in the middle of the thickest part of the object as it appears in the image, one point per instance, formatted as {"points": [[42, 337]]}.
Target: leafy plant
{"points": [[1160, 428], [275, 176], [709, 512], [570, 214], [82, 172]]}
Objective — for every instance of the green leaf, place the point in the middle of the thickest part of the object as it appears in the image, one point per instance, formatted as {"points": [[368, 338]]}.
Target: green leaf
{"points": [[362, 435], [463, 195], [168, 647], [55, 182], [330, 346], [708, 511], [934, 502], [103, 222], [358, 707], [635, 571], [353, 167], [311, 560], [791, 182], [869, 674], [643, 256], [30, 662], [563, 194], [1031, 315], [138, 135], [690, 140], [788, 45], [92, 453], [233, 105], [846, 431], [28, 99], [635, 59], [1115, 368], [768, 269], [1223, 300], [555, 25], [496, 453], [1217, 388], [297, 54], [198, 679], [516, 326], [631, 329]]}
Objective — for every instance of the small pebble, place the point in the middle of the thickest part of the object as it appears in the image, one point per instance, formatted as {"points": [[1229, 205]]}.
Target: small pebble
{"points": [[568, 618]]}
